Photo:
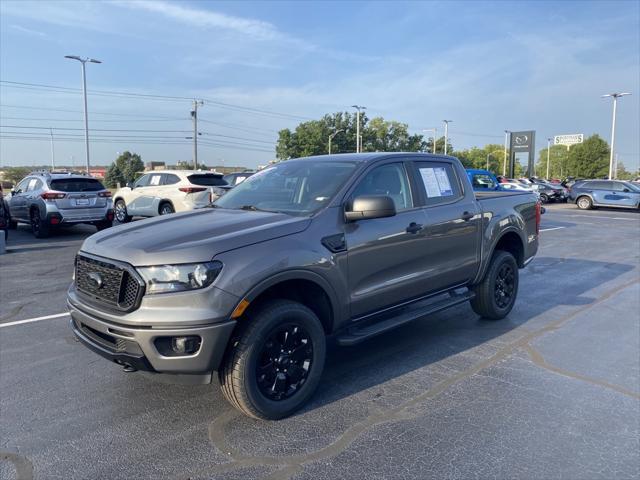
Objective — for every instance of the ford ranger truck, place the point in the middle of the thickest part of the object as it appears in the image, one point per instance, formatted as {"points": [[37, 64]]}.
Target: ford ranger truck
{"points": [[338, 246]]}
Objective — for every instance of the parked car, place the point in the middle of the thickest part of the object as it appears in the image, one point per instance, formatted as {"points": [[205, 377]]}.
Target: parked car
{"points": [[549, 193], [483, 180], [519, 187], [5, 218], [163, 192], [347, 245], [46, 200], [589, 194], [237, 178]]}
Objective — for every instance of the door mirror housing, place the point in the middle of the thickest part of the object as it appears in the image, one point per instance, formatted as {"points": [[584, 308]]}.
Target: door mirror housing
{"points": [[626, 190], [131, 185], [366, 207]]}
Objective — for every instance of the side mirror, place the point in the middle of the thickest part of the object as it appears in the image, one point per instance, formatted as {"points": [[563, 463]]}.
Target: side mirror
{"points": [[13, 192], [626, 190], [367, 207], [131, 185]]}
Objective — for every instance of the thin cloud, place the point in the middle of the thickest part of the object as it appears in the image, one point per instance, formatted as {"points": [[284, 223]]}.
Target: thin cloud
{"points": [[27, 31]]}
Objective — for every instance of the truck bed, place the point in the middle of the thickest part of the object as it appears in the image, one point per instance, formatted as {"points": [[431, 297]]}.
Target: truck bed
{"points": [[497, 193]]}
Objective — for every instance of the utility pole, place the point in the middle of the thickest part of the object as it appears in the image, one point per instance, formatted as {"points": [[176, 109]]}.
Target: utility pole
{"points": [[615, 97], [446, 134], [358, 139], [83, 61], [504, 163], [53, 157], [194, 116], [548, 155], [435, 132]]}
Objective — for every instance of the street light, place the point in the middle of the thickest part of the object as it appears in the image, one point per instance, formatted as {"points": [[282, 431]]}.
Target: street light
{"points": [[84, 95], [488, 155], [615, 97], [332, 136], [358, 145], [504, 163], [446, 134], [435, 132], [548, 155]]}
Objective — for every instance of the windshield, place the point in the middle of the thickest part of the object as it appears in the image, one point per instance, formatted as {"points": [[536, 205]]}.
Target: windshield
{"points": [[76, 185], [293, 187], [632, 187]]}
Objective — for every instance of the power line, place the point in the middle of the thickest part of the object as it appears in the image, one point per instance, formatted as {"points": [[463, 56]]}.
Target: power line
{"points": [[94, 129], [113, 93], [80, 120], [92, 112]]}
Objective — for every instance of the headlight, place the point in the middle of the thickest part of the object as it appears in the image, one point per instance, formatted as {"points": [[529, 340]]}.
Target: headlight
{"points": [[178, 278]]}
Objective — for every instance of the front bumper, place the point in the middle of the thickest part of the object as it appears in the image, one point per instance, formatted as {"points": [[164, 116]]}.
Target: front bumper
{"points": [[136, 346]]}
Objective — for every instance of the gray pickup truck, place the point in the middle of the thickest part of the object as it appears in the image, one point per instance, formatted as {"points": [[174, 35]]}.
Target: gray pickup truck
{"points": [[340, 247]]}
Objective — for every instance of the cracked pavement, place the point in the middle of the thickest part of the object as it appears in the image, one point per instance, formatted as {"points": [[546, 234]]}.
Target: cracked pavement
{"points": [[552, 391]]}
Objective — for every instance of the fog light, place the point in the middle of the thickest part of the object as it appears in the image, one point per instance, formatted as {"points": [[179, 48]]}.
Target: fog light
{"points": [[185, 345]]}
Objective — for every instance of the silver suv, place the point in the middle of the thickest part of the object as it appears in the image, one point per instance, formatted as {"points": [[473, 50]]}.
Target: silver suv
{"points": [[46, 200]]}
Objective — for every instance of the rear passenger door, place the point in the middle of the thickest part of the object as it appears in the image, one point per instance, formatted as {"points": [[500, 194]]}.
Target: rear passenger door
{"points": [[452, 226], [599, 191]]}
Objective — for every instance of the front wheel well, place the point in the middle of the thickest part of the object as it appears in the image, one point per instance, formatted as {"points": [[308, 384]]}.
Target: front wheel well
{"points": [[511, 242], [163, 201], [303, 291]]}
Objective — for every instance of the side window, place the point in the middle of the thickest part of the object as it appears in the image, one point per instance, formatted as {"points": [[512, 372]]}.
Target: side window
{"points": [[598, 185], [440, 182], [390, 180], [170, 179], [617, 186], [155, 179], [143, 181], [34, 184], [22, 186]]}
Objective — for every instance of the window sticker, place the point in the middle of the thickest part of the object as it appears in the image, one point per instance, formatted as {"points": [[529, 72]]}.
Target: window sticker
{"points": [[436, 182], [155, 180]]}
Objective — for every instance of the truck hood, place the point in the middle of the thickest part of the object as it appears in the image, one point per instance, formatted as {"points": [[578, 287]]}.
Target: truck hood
{"points": [[190, 237]]}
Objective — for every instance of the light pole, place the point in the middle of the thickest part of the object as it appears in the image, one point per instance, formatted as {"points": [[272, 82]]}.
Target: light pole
{"points": [[615, 97], [446, 134], [435, 133], [488, 155], [548, 155], [332, 136], [504, 163], [84, 95], [358, 108], [194, 116]]}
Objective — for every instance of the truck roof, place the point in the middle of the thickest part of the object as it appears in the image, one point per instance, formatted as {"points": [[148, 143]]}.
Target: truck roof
{"points": [[369, 156]]}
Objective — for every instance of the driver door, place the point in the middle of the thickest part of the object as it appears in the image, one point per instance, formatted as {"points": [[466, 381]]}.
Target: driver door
{"points": [[143, 194], [386, 255], [18, 201]]}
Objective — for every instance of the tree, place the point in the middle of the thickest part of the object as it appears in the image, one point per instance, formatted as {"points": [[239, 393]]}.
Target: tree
{"points": [[589, 159], [15, 174], [378, 135], [114, 176], [558, 162], [477, 157], [129, 164]]}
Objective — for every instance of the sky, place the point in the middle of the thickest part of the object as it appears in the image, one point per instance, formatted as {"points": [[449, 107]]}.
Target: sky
{"points": [[263, 66]]}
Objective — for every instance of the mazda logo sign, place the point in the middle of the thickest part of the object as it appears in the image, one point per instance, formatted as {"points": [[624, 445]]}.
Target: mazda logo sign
{"points": [[96, 279], [521, 140]]}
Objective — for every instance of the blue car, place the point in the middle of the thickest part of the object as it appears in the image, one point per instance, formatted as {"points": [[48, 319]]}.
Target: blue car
{"points": [[483, 180], [589, 194]]}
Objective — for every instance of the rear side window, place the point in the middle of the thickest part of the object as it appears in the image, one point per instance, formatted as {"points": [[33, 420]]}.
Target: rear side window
{"points": [[598, 185], [439, 181], [34, 184], [76, 185], [207, 180], [170, 179]]}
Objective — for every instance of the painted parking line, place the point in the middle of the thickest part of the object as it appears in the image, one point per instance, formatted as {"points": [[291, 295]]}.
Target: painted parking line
{"points": [[629, 218], [552, 228], [36, 319]]}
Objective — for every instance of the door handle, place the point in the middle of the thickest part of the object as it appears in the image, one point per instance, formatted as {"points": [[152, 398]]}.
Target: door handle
{"points": [[466, 216], [414, 227]]}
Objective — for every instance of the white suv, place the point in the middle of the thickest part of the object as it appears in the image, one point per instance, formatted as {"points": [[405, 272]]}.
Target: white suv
{"points": [[163, 192]]}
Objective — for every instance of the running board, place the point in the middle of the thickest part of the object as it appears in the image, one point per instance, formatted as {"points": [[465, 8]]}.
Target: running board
{"points": [[355, 335]]}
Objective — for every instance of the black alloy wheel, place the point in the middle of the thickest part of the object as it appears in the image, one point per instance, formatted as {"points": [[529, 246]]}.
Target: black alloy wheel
{"points": [[39, 228], [166, 209], [284, 362], [504, 285]]}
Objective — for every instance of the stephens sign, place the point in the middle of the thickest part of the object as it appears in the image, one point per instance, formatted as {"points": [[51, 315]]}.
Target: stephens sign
{"points": [[568, 140]]}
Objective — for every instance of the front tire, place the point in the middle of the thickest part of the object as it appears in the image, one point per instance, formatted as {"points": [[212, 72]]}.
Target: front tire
{"points": [[274, 363], [544, 198], [584, 203], [120, 212], [166, 209], [496, 294]]}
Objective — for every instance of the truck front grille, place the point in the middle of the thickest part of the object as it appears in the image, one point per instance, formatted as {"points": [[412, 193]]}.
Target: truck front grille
{"points": [[108, 283]]}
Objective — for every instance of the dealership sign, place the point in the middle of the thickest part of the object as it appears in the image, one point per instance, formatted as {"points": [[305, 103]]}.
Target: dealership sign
{"points": [[568, 140]]}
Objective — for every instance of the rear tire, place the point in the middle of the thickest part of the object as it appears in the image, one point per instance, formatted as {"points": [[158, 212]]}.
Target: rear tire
{"points": [[496, 294], [120, 212], [166, 209], [39, 227], [274, 361], [544, 198], [104, 225]]}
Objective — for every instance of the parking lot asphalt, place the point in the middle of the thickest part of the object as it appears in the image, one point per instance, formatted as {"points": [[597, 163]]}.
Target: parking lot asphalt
{"points": [[552, 391]]}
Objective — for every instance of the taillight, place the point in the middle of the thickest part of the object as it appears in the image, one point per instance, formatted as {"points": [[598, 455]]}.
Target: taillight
{"points": [[538, 217], [192, 189], [53, 195], [106, 194]]}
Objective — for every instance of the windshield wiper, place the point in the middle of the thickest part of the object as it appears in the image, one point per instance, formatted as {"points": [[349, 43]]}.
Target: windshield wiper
{"points": [[252, 208], [212, 205]]}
